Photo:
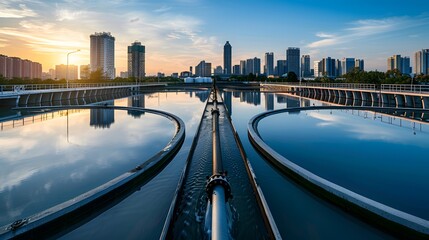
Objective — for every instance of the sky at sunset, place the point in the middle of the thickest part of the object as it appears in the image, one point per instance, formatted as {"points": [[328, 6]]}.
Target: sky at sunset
{"points": [[180, 33]]}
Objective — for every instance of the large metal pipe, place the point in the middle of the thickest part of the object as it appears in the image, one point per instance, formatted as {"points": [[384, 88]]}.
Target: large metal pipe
{"points": [[217, 160], [219, 215], [218, 187]]}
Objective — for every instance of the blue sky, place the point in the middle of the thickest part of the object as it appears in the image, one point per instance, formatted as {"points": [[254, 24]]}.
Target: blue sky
{"points": [[179, 33]]}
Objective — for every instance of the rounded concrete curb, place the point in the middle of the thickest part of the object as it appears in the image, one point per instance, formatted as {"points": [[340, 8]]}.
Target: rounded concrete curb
{"points": [[41, 224], [394, 221]]}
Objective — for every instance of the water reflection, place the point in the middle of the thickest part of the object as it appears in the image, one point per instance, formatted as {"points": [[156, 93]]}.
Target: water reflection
{"points": [[136, 101], [42, 167], [372, 154], [269, 101], [102, 118], [202, 95]]}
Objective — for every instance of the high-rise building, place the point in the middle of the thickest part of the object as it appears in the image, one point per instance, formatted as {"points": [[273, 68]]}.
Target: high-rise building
{"points": [[421, 62], [337, 70], [317, 68], [103, 53], [329, 67], [347, 65], [236, 70], [400, 63], [61, 72], [293, 61], [394, 62], [136, 60], [84, 71], [269, 64], [16, 67], [359, 63], [203, 69], [406, 65], [305, 66], [36, 70], [281, 67], [253, 66], [257, 66], [3, 65], [249, 66], [26, 68], [243, 70], [227, 58]]}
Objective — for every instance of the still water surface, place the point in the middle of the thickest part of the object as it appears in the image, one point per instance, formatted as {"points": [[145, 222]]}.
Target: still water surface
{"points": [[46, 162], [298, 213], [377, 156]]}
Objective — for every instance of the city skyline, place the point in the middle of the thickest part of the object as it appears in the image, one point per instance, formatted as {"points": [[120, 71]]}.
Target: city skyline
{"points": [[178, 34]]}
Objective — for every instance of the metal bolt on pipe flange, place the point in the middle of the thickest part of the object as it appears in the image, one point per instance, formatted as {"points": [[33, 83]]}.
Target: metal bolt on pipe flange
{"points": [[216, 180]]}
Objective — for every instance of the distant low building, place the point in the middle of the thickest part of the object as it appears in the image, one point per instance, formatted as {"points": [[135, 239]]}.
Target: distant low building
{"points": [[61, 72], [198, 80], [218, 70], [175, 75], [185, 74], [160, 75], [123, 74], [46, 75]]}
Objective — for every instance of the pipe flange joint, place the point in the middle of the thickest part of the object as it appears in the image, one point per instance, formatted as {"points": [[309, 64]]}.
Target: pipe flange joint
{"points": [[218, 180]]}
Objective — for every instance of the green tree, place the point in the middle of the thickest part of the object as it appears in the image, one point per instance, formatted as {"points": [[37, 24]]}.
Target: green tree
{"points": [[97, 75], [292, 77]]}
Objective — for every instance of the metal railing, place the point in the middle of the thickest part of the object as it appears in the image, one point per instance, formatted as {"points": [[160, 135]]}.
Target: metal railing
{"points": [[411, 88], [405, 88], [35, 87], [330, 85]]}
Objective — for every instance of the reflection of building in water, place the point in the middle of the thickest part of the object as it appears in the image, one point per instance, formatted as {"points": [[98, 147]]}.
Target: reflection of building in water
{"points": [[136, 101], [269, 101], [202, 95], [102, 118], [290, 102], [251, 98], [236, 94], [227, 98], [305, 102], [18, 121]]}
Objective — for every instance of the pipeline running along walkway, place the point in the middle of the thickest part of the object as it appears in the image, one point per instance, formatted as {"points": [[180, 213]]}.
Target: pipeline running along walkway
{"points": [[218, 197]]}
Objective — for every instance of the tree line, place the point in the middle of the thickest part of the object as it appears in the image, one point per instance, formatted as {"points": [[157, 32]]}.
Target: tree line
{"points": [[355, 76], [94, 77]]}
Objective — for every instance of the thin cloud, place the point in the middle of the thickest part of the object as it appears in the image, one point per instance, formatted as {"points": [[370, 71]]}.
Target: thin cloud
{"points": [[162, 32], [21, 11], [162, 9], [368, 27], [65, 14], [324, 35]]}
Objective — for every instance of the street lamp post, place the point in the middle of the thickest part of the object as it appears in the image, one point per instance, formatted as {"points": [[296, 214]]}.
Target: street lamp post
{"points": [[67, 71]]}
